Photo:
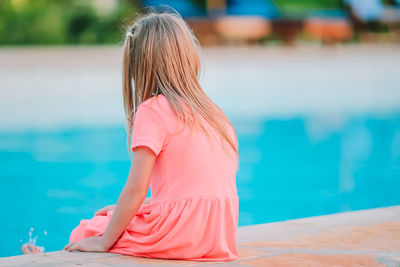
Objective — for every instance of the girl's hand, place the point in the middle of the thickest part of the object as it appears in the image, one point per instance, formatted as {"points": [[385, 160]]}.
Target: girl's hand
{"points": [[104, 210], [89, 244]]}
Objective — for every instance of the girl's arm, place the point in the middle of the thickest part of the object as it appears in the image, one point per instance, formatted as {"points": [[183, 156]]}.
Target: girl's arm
{"points": [[132, 195]]}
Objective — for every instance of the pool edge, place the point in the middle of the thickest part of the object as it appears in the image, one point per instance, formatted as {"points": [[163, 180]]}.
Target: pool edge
{"points": [[367, 237]]}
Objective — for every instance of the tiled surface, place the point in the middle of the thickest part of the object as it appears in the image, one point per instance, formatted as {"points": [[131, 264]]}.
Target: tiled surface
{"points": [[361, 238]]}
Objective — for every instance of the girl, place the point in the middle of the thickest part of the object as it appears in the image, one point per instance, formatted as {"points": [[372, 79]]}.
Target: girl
{"points": [[184, 147]]}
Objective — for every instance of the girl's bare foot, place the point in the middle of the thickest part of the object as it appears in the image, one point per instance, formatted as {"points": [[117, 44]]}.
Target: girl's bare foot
{"points": [[30, 249]]}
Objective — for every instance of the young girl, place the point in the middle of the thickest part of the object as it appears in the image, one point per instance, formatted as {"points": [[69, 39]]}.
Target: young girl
{"points": [[184, 147]]}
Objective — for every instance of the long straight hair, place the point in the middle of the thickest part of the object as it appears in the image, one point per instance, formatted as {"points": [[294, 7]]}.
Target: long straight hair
{"points": [[161, 56]]}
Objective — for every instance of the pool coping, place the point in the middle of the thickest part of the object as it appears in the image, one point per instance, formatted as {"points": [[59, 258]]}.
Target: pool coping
{"points": [[367, 237]]}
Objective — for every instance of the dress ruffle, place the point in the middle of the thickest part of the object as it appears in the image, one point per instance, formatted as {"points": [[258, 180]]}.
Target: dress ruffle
{"points": [[162, 229]]}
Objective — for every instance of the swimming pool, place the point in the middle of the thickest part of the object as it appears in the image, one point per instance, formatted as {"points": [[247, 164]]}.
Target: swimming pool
{"points": [[289, 168]]}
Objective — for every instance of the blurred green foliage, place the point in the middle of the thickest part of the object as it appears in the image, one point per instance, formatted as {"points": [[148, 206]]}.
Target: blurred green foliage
{"points": [[298, 9], [101, 21], [296, 5], [59, 22]]}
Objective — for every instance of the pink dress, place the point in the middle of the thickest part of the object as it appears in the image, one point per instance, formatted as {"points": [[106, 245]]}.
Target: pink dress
{"points": [[193, 211]]}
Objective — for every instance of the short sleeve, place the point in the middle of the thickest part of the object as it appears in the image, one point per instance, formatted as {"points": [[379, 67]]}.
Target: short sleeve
{"points": [[148, 130]]}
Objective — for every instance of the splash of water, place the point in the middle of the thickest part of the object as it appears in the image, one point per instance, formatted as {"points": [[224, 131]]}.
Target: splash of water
{"points": [[32, 240]]}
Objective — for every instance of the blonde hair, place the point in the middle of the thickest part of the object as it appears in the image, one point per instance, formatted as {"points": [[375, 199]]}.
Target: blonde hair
{"points": [[161, 56]]}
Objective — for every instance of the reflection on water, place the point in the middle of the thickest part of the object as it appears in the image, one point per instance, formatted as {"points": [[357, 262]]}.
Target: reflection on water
{"points": [[311, 166], [289, 168]]}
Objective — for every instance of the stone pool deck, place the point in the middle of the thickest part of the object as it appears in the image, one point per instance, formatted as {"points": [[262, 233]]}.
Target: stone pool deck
{"points": [[360, 238]]}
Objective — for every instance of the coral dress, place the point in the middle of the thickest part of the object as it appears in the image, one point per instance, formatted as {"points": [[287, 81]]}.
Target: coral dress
{"points": [[193, 210]]}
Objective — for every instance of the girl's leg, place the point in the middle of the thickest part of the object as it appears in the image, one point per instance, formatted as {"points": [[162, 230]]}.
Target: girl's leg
{"points": [[94, 226], [30, 249]]}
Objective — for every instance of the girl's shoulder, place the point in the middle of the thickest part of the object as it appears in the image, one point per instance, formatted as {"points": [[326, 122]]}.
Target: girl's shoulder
{"points": [[158, 103], [158, 108]]}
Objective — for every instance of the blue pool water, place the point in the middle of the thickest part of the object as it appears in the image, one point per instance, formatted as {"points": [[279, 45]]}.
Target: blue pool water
{"points": [[289, 168]]}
